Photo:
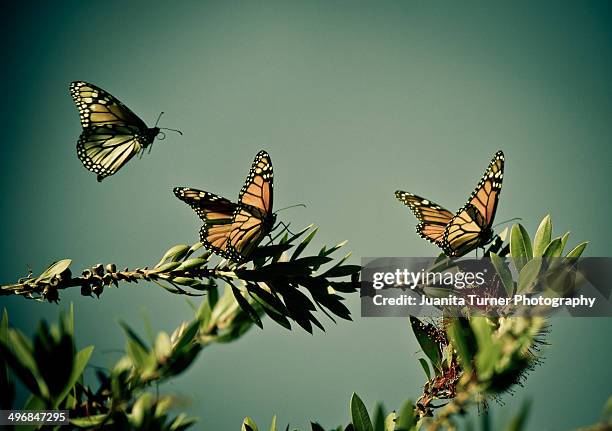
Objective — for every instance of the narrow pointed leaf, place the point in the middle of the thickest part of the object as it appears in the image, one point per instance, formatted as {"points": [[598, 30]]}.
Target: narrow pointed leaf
{"points": [[520, 246], [359, 415], [554, 249], [427, 343], [406, 418], [425, 366], [542, 237], [504, 273], [80, 362], [529, 275], [246, 306], [577, 251]]}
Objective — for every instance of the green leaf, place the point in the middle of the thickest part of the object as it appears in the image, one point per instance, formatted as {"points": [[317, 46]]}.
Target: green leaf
{"points": [[564, 239], [195, 247], [504, 273], [92, 421], [342, 271], [196, 262], [246, 306], [141, 358], [187, 336], [23, 353], [302, 245], [406, 419], [379, 417], [174, 253], [577, 251], [554, 249], [165, 267], [488, 351], [30, 380], [273, 425], [503, 234], [55, 268], [520, 246], [359, 415], [266, 251], [249, 425], [542, 237], [80, 362], [163, 346], [133, 336], [328, 251], [184, 281], [529, 275], [425, 366], [459, 336], [426, 341], [33, 403]]}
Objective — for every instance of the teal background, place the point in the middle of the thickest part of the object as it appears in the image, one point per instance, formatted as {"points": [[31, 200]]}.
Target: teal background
{"points": [[352, 100]]}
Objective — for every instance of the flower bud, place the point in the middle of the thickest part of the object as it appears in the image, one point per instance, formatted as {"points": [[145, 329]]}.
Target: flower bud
{"points": [[50, 294], [98, 269], [65, 274], [98, 289]]}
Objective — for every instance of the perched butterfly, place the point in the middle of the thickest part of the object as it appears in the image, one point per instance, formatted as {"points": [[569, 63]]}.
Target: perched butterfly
{"points": [[233, 230], [112, 133], [468, 228]]}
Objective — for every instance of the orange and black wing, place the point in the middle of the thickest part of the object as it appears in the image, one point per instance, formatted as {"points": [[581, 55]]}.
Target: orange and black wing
{"points": [[486, 194], [253, 218], [99, 108], [432, 218], [217, 214], [471, 226]]}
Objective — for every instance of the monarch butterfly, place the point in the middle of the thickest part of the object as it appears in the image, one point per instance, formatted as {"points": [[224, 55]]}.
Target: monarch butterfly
{"points": [[468, 228], [112, 133], [233, 230]]}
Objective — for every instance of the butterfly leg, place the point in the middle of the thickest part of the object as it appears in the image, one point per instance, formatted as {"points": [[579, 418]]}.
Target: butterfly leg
{"points": [[285, 227]]}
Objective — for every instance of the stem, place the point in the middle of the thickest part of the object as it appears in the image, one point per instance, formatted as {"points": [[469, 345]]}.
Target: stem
{"points": [[93, 280]]}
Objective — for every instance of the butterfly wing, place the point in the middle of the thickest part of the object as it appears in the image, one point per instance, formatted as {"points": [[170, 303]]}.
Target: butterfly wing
{"points": [[253, 218], [431, 216], [217, 214], [99, 108], [486, 194], [105, 149], [471, 226]]}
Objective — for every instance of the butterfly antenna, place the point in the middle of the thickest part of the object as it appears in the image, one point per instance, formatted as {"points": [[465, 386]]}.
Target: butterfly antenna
{"points": [[165, 128], [173, 130], [291, 206], [158, 117], [506, 221]]}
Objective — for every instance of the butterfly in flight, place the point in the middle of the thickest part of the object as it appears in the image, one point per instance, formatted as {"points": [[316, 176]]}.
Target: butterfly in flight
{"points": [[470, 227], [233, 230], [112, 133]]}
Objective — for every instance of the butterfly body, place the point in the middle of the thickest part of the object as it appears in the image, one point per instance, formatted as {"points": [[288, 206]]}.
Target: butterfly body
{"points": [[112, 133], [471, 226], [233, 230]]}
